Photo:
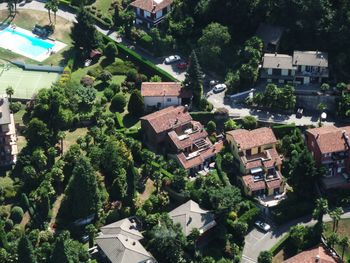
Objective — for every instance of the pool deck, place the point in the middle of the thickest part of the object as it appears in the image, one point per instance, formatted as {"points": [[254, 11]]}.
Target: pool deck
{"points": [[56, 48]]}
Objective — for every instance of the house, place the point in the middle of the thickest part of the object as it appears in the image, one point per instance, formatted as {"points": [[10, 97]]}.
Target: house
{"points": [[119, 242], [270, 35], [258, 161], [319, 254], [330, 147], [8, 137], [151, 12], [173, 132], [159, 95], [189, 215], [304, 67]]}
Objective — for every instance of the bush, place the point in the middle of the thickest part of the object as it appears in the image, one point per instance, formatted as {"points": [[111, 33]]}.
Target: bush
{"points": [[211, 127], [8, 225], [136, 104], [250, 216], [87, 81], [120, 67], [119, 120], [17, 214], [131, 75], [115, 87], [111, 51], [108, 93], [95, 71], [282, 130], [265, 257], [118, 103], [230, 125], [15, 107], [146, 41], [249, 122]]}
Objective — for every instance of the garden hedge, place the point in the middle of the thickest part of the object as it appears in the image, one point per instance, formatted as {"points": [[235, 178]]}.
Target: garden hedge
{"points": [[250, 216], [119, 120], [282, 130], [279, 245]]}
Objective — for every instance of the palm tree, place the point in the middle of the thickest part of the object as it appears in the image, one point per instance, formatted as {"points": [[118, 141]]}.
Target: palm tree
{"points": [[10, 6], [9, 92], [48, 6], [54, 8], [320, 209], [333, 239], [61, 135], [344, 242], [335, 215]]}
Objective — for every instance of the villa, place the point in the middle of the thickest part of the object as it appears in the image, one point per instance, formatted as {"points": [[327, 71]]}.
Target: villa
{"points": [[304, 67], [259, 162], [8, 137], [172, 131], [151, 12], [330, 147], [159, 95], [318, 254]]}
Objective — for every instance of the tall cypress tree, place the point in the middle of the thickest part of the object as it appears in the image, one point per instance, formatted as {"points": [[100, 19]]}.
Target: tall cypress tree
{"points": [[194, 79], [84, 33], [25, 251], [136, 104], [60, 253]]}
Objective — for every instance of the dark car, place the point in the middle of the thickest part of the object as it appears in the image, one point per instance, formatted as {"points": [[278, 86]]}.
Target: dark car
{"points": [[299, 113]]}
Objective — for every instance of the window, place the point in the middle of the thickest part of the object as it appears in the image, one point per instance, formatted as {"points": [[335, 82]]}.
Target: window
{"points": [[168, 99]]}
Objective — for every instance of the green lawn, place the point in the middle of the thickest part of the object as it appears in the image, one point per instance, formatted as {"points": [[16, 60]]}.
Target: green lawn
{"points": [[72, 136], [343, 230], [103, 5]]}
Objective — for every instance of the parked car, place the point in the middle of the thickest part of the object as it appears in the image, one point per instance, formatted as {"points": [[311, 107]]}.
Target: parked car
{"points": [[219, 87], [262, 225], [172, 59], [182, 65], [300, 112], [323, 116], [212, 83]]}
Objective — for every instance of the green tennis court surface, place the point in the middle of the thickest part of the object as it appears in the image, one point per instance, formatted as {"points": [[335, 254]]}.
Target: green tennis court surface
{"points": [[25, 83]]}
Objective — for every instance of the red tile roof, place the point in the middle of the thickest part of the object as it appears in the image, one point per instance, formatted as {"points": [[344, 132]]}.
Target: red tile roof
{"points": [[181, 144], [276, 183], [168, 89], [198, 160], [268, 158], [330, 138], [250, 139], [152, 6], [274, 160], [248, 180], [309, 256], [168, 118]]}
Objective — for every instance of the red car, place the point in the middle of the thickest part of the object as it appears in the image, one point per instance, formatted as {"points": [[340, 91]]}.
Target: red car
{"points": [[182, 65]]}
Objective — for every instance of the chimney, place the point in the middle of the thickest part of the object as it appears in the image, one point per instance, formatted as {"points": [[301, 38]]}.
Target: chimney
{"points": [[186, 108], [317, 259]]}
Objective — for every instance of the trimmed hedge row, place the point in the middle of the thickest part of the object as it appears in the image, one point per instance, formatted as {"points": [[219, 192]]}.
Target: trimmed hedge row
{"points": [[279, 245], [282, 130], [119, 120], [222, 175], [163, 171], [250, 216]]}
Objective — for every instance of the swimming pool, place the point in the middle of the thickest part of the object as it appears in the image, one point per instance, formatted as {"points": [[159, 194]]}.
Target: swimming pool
{"points": [[23, 42]]}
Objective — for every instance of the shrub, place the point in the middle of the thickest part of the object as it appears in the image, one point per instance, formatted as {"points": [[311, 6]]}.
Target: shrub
{"points": [[250, 216], [15, 107], [108, 93], [118, 103], [131, 75], [95, 71], [146, 41], [103, 100], [105, 76], [230, 125], [120, 67], [211, 127], [8, 225], [16, 214], [115, 87], [111, 51], [87, 81], [107, 20], [155, 78], [249, 122], [136, 104], [265, 257], [282, 130], [119, 120]]}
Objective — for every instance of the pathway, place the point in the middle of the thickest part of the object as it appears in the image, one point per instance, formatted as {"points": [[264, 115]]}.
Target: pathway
{"points": [[257, 241], [63, 12]]}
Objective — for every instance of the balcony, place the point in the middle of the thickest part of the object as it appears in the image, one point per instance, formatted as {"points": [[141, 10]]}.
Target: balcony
{"points": [[322, 73]]}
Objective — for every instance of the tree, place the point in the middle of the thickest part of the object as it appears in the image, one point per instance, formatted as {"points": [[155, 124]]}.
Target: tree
{"points": [[136, 104], [265, 257], [344, 242], [75, 204], [333, 239], [37, 133], [84, 34], [25, 251], [224, 199], [230, 125], [54, 8], [118, 103], [320, 210], [119, 186], [91, 230], [215, 38], [335, 214], [297, 237], [60, 136], [211, 127], [16, 214], [194, 79], [325, 87], [48, 6], [105, 76], [9, 92], [249, 122], [111, 51], [155, 78]]}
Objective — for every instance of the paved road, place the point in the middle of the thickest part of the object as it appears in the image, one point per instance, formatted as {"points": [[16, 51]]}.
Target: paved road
{"points": [[257, 241], [65, 13], [238, 110]]}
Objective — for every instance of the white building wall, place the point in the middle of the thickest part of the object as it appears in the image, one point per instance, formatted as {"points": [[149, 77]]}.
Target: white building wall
{"points": [[164, 101]]}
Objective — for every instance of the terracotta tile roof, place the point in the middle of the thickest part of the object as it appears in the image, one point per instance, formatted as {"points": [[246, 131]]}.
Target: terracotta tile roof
{"points": [[253, 186], [168, 89], [152, 6], [254, 138], [309, 256], [274, 183], [198, 160], [268, 158], [274, 160], [181, 144], [330, 138], [253, 164], [168, 118]]}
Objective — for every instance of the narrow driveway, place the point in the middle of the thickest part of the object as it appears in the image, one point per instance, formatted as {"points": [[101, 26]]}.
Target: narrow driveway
{"points": [[237, 110], [257, 241], [66, 14]]}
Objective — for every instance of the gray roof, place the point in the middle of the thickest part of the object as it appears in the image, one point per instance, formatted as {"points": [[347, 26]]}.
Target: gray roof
{"points": [[189, 215], [278, 61], [127, 227], [122, 249], [5, 114], [269, 34], [310, 58]]}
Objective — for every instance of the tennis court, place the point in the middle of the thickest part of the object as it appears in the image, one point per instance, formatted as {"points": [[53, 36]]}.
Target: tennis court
{"points": [[25, 83]]}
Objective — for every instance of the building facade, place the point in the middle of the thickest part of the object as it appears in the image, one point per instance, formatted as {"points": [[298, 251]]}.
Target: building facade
{"points": [[330, 148], [304, 67], [8, 137], [172, 131], [151, 12], [258, 160]]}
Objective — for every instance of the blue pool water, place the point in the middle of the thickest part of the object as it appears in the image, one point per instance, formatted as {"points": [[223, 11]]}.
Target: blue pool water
{"points": [[23, 44]]}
